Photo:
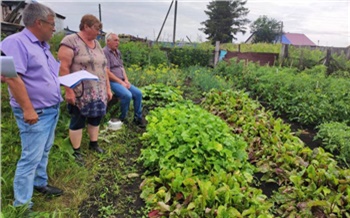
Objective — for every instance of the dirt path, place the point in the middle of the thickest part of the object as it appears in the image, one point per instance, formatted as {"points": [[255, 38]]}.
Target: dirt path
{"points": [[116, 190]]}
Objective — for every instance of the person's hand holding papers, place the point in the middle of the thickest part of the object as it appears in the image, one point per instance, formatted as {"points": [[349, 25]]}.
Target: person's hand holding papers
{"points": [[73, 79]]}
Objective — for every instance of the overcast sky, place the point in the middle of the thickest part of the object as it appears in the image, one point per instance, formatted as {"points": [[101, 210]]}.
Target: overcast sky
{"points": [[324, 22]]}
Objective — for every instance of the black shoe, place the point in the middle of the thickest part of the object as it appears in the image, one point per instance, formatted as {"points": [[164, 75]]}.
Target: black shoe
{"points": [[79, 158], [23, 211], [49, 190], [140, 123], [28, 213], [124, 121], [97, 149]]}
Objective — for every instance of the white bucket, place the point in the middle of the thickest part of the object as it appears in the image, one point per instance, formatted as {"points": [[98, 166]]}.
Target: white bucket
{"points": [[115, 124]]}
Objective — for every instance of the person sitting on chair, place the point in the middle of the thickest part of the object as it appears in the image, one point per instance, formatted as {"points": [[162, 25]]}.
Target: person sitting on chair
{"points": [[120, 84]]}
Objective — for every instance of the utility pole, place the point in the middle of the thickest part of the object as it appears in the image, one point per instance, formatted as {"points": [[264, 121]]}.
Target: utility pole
{"points": [[99, 12], [166, 17], [175, 14], [281, 32]]}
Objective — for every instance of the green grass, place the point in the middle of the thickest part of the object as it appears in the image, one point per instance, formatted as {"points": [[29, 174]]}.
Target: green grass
{"points": [[103, 175]]}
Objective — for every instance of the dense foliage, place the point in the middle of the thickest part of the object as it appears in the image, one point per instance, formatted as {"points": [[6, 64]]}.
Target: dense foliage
{"points": [[140, 54], [311, 182], [188, 56], [308, 97], [159, 95], [205, 79], [266, 30], [335, 138], [203, 168], [226, 19], [258, 47]]}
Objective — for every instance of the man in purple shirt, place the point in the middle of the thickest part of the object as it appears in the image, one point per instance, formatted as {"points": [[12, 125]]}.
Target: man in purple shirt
{"points": [[35, 98], [120, 84]]}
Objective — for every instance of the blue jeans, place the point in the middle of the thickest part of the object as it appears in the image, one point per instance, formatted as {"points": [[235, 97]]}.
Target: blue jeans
{"points": [[36, 142], [125, 96]]}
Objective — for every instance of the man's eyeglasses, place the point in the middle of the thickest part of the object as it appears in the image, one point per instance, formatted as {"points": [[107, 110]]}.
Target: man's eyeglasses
{"points": [[52, 24]]}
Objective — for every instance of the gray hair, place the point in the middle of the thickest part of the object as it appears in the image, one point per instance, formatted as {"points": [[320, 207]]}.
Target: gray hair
{"points": [[35, 11], [109, 35]]}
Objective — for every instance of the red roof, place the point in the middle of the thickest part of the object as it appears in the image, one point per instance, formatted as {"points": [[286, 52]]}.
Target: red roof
{"points": [[299, 39]]}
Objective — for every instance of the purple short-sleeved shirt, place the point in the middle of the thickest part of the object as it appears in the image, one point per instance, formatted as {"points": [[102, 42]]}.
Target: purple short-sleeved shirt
{"points": [[114, 62], [37, 67]]}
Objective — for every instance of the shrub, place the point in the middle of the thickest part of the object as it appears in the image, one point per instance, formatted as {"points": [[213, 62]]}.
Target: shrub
{"points": [[188, 56], [335, 137], [159, 95]]}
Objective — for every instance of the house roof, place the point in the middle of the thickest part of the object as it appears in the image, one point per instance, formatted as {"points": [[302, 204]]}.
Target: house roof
{"points": [[16, 2], [297, 39]]}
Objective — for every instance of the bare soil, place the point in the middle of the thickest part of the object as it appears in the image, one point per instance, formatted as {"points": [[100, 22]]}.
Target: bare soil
{"points": [[116, 194]]}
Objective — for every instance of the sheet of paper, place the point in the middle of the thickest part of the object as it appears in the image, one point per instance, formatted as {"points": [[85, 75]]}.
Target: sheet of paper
{"points": [[73, 79], [7, 67]]}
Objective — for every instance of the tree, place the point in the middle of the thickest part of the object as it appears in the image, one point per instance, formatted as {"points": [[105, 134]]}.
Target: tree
{"points": [[226, 19], [266, 29]]}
